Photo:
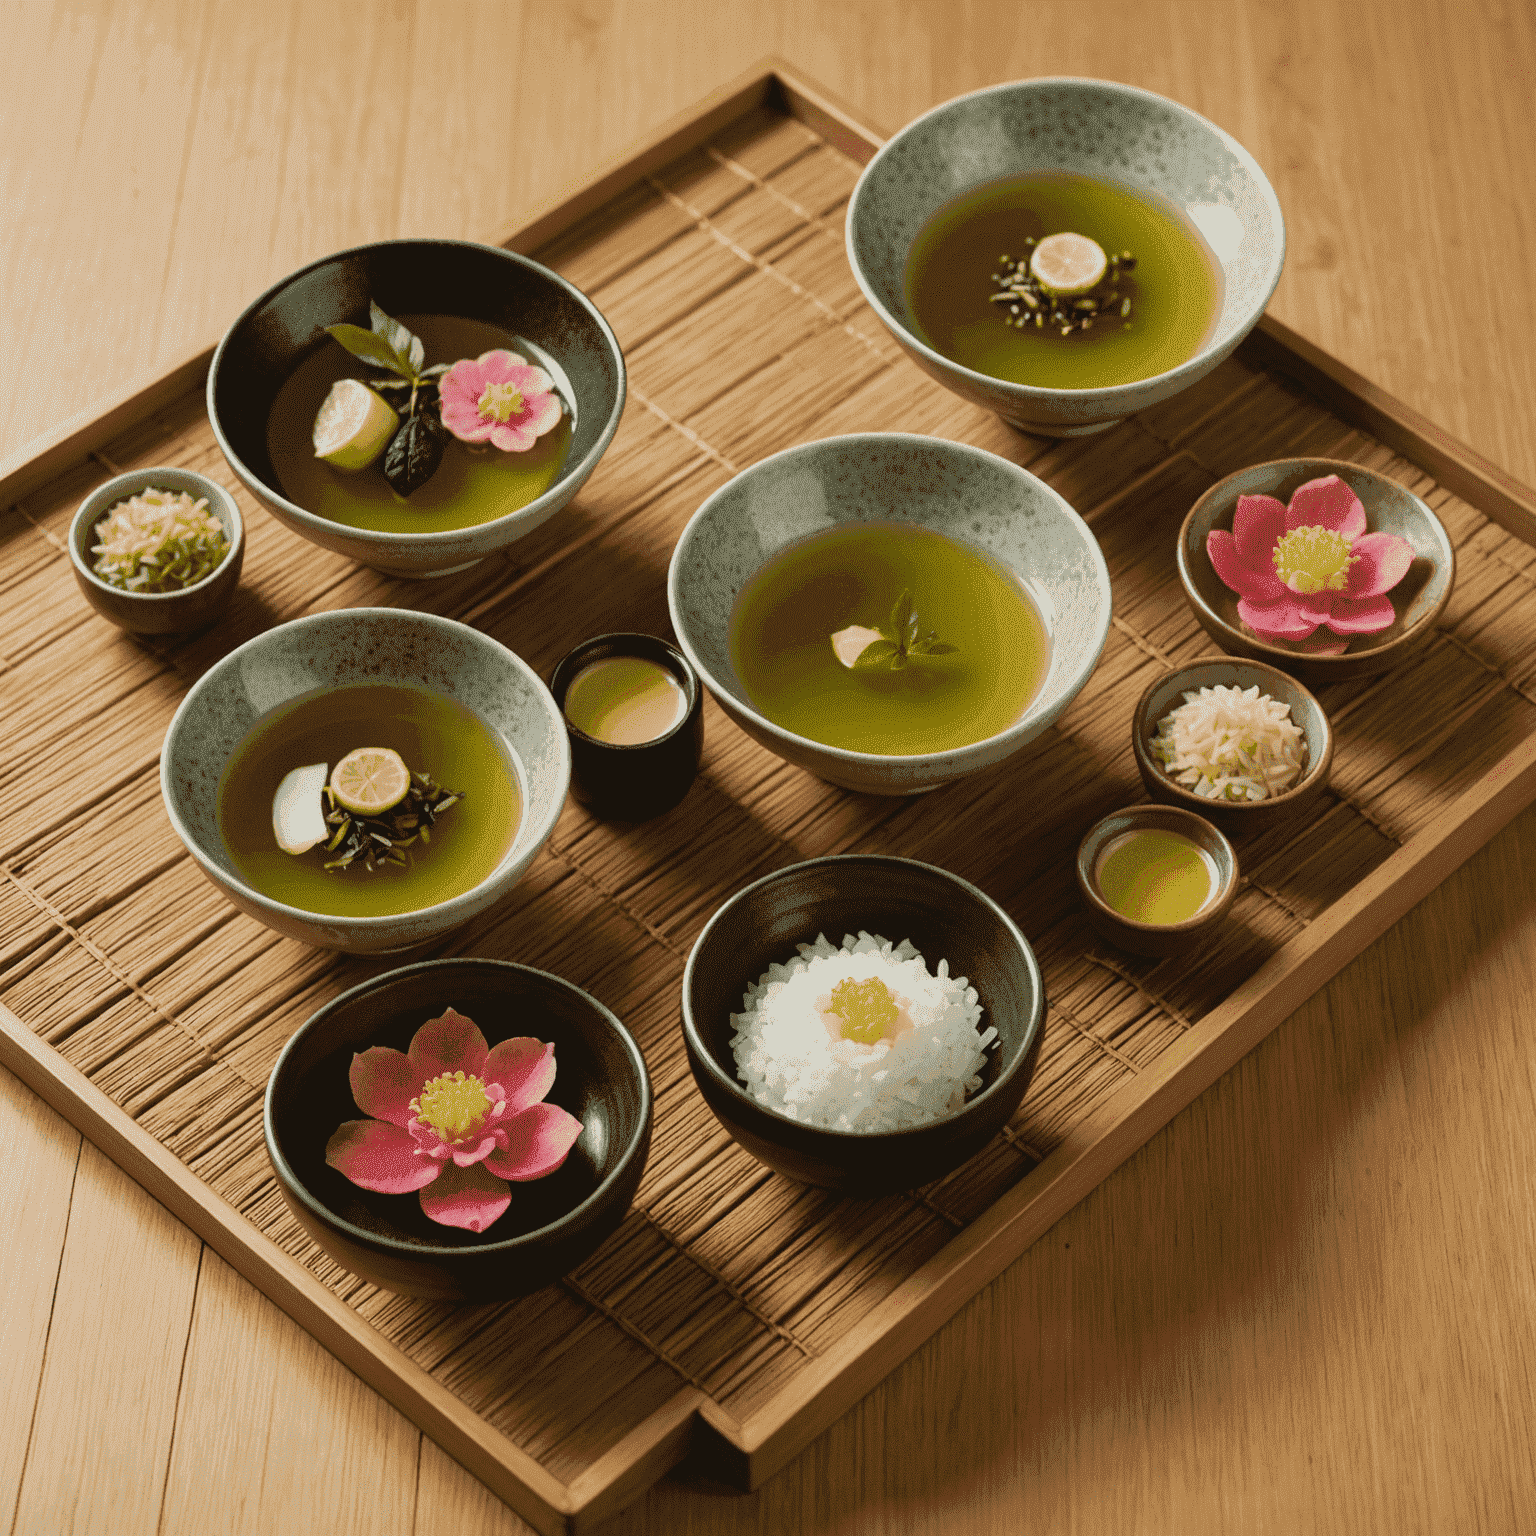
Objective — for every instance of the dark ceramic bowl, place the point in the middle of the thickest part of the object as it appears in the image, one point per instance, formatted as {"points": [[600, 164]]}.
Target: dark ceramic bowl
{"points": [[945, 917], [1419, 598], [1167, 694], [1094, 128], [287, 324], [399, 647], [633, 782], [1157, 938], [553, 1223], [158, 613]]}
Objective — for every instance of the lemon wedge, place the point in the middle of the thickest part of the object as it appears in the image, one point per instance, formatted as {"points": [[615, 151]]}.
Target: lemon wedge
{"points": [[1068, 264], [353, 426], [848, 644], [298, 818], [369, 781]]}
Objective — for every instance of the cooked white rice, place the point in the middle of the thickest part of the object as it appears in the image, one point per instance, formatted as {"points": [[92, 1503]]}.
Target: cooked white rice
{"points": [[791, 1062]]}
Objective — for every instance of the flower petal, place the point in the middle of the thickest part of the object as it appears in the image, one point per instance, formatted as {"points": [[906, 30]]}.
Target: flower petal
{"points": [[1253, 579], [511, 437], [1360, 615], [383, 1084], [375, 1155], [525, 1069], [466, 1197], [1283, 620], [467, 1154], [1384, 561], [448, 1043], [1326, 503], [498, 363], [538, 1141], [1256, 524], [544, 412]]}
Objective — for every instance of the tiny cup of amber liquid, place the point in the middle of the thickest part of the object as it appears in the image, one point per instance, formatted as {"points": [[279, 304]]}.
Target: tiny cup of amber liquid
{"points": [[634, 713]]}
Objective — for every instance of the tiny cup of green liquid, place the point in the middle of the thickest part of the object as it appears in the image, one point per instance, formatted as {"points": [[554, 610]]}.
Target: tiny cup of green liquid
{"points": [[1156, 879], [634, 713]]}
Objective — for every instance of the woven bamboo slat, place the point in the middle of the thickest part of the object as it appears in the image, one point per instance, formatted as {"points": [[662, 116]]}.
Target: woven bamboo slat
{"points": [[733, 1310]]}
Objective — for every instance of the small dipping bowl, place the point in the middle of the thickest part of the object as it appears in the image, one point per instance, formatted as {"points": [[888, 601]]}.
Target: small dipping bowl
{"points": [[1418, 599], [633, 780], [1156, 938], [553, 1223], [158, 613], [946, 918], [1167, 694]]}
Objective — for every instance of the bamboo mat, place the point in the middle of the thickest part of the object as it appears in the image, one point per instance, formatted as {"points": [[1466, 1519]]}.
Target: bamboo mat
{"points": [[725, 278]]}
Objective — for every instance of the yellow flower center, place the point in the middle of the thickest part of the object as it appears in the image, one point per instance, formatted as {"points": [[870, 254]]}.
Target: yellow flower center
{"points": [[1313, 559], [866, 1009], [500, 401], [453, 1105]]}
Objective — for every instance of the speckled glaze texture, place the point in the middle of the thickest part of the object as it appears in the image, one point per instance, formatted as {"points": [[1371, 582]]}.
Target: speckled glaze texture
{"points": [[1419, 598], [1094, 128], [363, 645], [1167, 694], [482, 282], [158, 613], [951, 488]]}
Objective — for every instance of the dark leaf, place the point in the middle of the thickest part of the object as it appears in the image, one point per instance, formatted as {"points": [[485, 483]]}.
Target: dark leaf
{"points": [[414, 453], [371, 348], [876, 655]]}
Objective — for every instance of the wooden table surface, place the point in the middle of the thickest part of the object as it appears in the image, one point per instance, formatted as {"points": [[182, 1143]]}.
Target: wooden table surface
{"points": [[1307, 1304]]}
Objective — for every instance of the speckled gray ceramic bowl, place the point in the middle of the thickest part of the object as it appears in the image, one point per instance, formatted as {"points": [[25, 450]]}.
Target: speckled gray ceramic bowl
{"points": [[1094, 128], [1419, 598], [158, 613], [951, 488], [363, 645], [287, 324]]}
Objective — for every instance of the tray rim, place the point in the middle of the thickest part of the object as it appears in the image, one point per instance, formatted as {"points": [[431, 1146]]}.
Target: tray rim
{"points": [[751, 1449]]}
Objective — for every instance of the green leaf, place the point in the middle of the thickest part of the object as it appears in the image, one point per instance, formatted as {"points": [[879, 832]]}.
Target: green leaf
{"points": [[368, 346], [407, 347], [901, 616], [875, 656], [898, 661]]}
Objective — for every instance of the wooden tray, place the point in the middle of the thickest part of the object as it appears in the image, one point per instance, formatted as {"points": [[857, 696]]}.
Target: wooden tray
{"points": [[734, 1312]]}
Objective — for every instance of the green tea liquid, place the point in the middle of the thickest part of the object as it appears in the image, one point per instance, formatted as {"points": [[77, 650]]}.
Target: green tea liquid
{"points": [[1175, 289], [1154, 876]]}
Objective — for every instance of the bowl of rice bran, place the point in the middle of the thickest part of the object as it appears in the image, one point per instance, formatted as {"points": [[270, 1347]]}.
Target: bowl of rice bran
{"points": [[898, 1113]]}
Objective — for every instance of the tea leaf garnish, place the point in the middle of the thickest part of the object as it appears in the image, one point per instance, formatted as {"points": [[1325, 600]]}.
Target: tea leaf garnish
{"points": [[415, 452], [901, 639]]}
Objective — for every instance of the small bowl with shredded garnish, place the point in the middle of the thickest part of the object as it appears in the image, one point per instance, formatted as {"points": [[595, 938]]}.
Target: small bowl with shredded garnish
{"points": [[1238, 742], [158, 551]]}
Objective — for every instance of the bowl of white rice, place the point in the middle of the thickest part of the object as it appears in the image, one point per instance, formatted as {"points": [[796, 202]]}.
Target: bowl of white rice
{"points": [[862, 1022]]}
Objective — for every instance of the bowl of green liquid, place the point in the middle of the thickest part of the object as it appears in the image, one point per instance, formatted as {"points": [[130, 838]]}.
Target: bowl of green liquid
{"points": [[1065, 252], [1156, 879]]}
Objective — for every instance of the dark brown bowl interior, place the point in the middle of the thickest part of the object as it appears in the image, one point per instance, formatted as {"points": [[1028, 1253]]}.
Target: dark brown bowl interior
{"points": [[1419, 598], [553, 1223]]}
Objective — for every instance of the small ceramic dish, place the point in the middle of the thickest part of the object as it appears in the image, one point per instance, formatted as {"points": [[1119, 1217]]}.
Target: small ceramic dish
{"points": [[1097, 128], [633, 781], [946, 918], [1419, 598], [951, 488], [397, 647], [158, 613], [286, 325], [1167, 694], [553, 1223], [1156, 938]]}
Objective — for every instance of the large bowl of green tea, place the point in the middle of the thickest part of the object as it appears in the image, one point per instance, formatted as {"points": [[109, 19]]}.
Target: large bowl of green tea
{"points": [[366, 780], [1065, 252], [890, 611], [417, 405]]}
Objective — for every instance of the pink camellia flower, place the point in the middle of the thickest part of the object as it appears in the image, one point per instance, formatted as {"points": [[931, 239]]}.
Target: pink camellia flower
{"points": [[1309, 564], [499, 398], [455, 1120]]}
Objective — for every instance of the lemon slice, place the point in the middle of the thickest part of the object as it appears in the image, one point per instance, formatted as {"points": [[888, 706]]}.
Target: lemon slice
{"points": [[848, 644], [369, 781], [353, 426], [1068, 263]]}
